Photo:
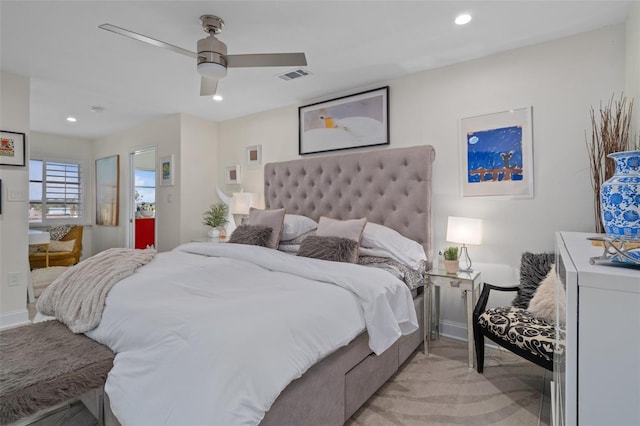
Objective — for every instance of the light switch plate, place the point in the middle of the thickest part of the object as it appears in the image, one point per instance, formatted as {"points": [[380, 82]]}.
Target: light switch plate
{"points": [[16, 195]]}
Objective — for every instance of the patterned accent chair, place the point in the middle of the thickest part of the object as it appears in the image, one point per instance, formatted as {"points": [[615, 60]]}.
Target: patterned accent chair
{"points": [[513, 327]]}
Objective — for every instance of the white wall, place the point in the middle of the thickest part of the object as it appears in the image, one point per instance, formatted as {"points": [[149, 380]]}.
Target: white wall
{"points": [[192, 142], [633, 65], [14, 222], [48, 146], [561, 80], [199, 154], [164, 135]]}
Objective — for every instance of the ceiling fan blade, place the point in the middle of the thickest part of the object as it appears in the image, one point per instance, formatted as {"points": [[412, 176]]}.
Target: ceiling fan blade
{"points": [[149, 40], [208, 86], [266, 60]]}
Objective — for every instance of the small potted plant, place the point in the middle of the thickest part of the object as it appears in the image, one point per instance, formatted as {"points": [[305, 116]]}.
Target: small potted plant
{"points": [[216, 218], [451, 261]]}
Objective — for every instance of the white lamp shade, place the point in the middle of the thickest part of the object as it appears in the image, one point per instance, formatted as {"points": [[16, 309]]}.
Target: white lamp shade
{"points": [[241, 202], [464, 230]]}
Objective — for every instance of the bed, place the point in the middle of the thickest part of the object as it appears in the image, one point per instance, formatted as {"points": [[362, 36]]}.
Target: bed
{"points": [[335, 377]]}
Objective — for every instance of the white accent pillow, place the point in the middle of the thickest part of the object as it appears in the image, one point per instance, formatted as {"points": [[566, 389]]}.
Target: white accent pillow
{"points": [[398, 247], [543, 302], [351, 228], [296, 225], [56, 246]]}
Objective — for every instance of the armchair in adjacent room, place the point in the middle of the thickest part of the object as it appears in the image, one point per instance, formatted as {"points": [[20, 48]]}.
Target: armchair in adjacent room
{"points": [[527, 327], [61, 258]]}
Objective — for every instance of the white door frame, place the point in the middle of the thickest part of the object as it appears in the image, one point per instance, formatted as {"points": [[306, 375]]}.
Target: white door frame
{"points": [[132, 193]]}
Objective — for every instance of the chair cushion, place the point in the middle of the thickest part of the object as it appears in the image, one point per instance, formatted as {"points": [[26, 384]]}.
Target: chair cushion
{"points": [[521, 328]]}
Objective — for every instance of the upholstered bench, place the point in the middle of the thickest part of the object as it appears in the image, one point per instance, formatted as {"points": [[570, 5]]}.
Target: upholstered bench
{"points": [[43, 365], [524, 329]]}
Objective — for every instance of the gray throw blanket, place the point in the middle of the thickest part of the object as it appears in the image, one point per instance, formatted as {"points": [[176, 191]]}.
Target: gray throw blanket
{"points": [[76, 298]]}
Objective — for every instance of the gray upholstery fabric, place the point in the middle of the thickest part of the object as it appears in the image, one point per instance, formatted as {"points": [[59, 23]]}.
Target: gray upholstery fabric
{"points": [[391, 187], [336, 249], [46, 364], [255, 235], [534, 268], [350, 228]]}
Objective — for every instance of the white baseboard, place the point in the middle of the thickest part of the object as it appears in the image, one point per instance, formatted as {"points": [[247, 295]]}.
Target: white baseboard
{"points": [[14, 319], [453, 330], [458, 331]]}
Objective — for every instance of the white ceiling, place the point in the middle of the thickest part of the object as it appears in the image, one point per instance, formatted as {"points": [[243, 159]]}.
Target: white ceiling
{"points": [[349, 45]]}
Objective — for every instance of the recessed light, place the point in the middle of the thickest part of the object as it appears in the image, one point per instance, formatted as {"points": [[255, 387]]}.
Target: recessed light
{"points": [[462, 19], [71, 119], [217, 97]]}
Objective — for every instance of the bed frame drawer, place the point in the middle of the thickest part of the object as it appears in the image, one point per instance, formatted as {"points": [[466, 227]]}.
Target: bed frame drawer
{"points": [[367, 377]]}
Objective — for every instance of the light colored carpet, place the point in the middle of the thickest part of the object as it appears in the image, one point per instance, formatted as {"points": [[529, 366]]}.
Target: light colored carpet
{"points": [[441, 390], [44, 276]]}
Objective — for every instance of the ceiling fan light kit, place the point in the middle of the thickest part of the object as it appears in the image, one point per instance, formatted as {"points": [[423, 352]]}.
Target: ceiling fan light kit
{"points": [[212, 58]]}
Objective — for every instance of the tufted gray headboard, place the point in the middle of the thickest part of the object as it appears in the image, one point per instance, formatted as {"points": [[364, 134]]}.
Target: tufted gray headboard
{"points": [[391, 187]]}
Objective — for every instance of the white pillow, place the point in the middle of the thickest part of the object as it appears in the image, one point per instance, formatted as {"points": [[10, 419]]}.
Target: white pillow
{"points": [[400, 248], [296, 225], [543, 302]]}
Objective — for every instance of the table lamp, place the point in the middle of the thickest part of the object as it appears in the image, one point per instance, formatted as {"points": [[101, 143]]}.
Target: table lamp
{"points": [[464, 230], [241, 202]]}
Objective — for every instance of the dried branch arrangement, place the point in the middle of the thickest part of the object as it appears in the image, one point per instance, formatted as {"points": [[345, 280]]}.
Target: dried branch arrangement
{"points": [[610, 132]]}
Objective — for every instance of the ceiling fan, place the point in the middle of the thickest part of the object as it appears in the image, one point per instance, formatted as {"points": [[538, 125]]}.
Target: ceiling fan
{"points": [[212, 57]]}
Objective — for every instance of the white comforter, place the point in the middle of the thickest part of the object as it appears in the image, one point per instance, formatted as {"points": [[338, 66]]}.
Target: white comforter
{"points": [[212, 333]]}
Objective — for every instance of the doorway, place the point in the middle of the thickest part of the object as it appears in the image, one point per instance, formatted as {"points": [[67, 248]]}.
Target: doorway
{"points": [[143, 213]]}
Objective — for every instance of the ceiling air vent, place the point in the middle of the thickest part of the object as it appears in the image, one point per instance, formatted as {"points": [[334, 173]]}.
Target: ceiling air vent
{"points": [[292, 75]]}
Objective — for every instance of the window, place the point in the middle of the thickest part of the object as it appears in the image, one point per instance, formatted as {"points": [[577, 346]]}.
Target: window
{"points": [[55, 191], [145, 195]]}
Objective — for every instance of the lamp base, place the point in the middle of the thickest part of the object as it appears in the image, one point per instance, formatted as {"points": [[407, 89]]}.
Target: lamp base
{"points": [[466, 265]]}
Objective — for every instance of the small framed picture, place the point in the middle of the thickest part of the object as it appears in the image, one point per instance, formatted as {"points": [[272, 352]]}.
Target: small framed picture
{"points": [[232, 174], [254, 155], [12, 149], [167, 170]]}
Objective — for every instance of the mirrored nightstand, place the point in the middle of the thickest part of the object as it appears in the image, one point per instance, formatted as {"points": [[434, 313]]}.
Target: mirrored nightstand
{"points": [[469, 283]]}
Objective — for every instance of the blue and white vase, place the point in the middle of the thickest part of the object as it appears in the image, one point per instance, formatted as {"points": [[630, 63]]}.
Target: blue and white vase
{"points": [[620, 197]]}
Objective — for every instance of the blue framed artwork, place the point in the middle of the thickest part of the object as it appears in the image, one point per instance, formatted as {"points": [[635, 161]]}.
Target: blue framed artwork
{"points": [[497, 155], [167, 171]]}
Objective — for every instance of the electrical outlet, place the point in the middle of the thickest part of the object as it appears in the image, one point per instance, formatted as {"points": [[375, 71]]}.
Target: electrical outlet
{"points": [[14, 279]]}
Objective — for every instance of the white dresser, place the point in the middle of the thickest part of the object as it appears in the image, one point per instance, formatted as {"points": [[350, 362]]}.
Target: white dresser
{"points": [[597, 382]]}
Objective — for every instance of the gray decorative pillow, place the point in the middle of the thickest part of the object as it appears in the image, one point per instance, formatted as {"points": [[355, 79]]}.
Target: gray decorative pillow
{"points": [[255, 235], [336, 249], [351, 228], [534, 268], [58, 232], [274, 219]]}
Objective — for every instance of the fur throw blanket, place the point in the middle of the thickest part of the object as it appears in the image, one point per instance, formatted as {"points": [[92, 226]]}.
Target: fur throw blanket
{"points": [[76, 298]]}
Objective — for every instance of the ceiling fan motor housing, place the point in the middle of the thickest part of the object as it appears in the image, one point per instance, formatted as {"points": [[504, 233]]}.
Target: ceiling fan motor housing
{"points": [[211, 57]]}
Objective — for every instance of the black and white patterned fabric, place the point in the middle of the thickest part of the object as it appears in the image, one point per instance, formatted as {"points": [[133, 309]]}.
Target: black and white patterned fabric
{"points": [[58, 232], [521, 328]]}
